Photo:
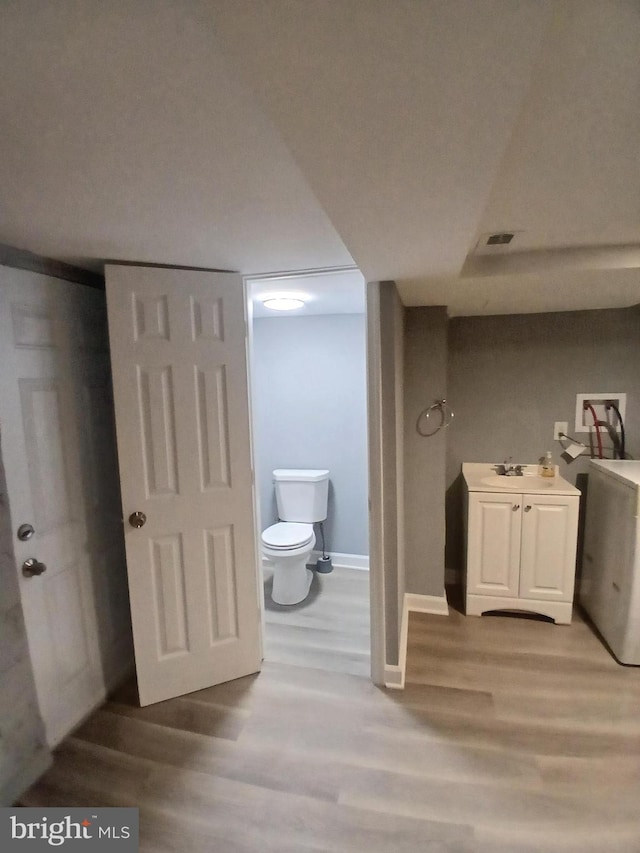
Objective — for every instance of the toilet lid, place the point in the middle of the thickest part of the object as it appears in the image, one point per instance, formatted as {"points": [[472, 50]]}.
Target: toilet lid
{"points": [[287, 534]]}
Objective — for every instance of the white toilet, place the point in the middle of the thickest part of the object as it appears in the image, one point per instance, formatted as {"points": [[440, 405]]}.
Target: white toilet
{"points": [[301, 495]]}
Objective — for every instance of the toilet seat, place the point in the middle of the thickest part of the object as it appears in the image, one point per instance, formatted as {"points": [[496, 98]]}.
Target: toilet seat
{"points": [[287, 535]]}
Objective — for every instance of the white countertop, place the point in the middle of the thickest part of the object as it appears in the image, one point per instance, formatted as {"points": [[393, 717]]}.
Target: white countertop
{"points": [[625, 470], [483, 477]]}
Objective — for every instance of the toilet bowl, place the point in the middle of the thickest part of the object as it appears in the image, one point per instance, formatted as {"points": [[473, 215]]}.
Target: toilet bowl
{"points": [[301, 497], [288, 545]]}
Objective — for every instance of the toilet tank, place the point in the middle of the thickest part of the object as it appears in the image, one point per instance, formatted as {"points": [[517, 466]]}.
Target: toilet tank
{"points": [[301, 494]]}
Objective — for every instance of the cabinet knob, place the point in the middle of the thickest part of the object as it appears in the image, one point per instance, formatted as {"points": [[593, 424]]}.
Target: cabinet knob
{"points": [[527, 508], [515, 507]]}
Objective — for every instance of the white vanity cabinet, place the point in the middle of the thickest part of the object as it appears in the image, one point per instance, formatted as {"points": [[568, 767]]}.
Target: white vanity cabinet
{"points": [[521, 545]]}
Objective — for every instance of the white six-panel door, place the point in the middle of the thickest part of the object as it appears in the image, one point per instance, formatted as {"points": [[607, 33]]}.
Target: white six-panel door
{"points": [[59, 455], [178, 351]]}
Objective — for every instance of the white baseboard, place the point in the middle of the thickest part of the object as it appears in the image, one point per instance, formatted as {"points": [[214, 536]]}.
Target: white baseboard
{"points": [[345, 561], [436, 604], [394, 676]]}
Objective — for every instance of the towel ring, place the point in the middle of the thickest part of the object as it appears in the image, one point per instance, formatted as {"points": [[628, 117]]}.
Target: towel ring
{"points": [[446, 416]]}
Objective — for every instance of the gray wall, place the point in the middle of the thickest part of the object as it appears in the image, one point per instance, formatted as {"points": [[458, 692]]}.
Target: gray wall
{"points": [[309, 410], [425, 380], [23, 753], [511, 377]]}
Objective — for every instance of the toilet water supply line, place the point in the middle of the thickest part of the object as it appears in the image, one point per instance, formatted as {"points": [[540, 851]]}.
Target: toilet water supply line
{"points": [[324, 563], [324, 556]]}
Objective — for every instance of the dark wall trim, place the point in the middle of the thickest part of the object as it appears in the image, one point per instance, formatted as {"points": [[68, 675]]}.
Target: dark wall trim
{"points": [[23, 260], [149, 265]]}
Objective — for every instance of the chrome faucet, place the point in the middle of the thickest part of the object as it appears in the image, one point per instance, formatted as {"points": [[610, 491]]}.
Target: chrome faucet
{"points": [[509, 470]]}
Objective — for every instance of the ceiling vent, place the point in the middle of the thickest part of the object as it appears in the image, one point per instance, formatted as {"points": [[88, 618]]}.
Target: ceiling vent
{"points": [[500, 239], [497, 242]]}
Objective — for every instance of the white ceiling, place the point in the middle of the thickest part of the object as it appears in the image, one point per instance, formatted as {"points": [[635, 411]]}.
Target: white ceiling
{"points": [[276, 135], [126, 137]]}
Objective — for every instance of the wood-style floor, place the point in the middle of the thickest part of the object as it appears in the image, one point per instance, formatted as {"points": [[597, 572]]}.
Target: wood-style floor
{"points": [[512, 735], [328, 630]]}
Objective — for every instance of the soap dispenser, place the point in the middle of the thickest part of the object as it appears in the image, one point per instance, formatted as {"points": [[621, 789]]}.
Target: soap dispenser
{"points": [[547, 468]]}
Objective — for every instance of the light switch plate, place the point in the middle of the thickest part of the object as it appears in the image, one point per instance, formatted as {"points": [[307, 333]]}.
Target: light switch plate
{"points": [[558, 427]]}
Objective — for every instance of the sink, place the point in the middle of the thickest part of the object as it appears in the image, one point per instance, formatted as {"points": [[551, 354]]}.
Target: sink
{"points": [[517, 484]]}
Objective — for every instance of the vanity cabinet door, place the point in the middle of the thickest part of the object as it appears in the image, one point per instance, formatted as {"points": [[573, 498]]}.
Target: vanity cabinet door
{"points": [[548, 552], [493, 544]]}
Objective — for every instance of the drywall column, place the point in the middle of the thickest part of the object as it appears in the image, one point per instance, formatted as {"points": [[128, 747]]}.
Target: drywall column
{"points": [[389, 311], [425, 380], [23, 753], [385, 368], [398, 369]]}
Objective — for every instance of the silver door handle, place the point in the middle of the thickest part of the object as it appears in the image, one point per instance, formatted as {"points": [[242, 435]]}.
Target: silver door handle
{"points": [[32, 567], [527, 508], [137, 519], [515, 507]]}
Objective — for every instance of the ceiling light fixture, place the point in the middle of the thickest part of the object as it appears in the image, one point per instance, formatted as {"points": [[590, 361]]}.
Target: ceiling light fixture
{"points": [[283, 302]]}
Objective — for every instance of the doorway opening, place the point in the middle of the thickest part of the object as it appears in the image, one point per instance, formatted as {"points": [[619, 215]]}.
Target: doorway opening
{"points": [[308, 380]]}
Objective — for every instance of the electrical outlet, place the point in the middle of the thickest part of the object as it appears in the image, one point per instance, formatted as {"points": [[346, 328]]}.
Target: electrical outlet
{"points": [[560, 427]]}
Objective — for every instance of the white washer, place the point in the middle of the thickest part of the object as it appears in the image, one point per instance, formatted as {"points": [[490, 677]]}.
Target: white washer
{"points": [[610, 582]]}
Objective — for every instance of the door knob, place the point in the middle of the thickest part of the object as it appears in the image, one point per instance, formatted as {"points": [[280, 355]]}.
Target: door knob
{"points": [[527, 508], [33, 567], [137, 519], [515, 507]]}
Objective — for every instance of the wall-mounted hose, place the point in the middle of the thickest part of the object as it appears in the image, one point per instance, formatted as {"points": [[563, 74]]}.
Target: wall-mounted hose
{"points": [[612, 405], [596, 423], [615, 441]]}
